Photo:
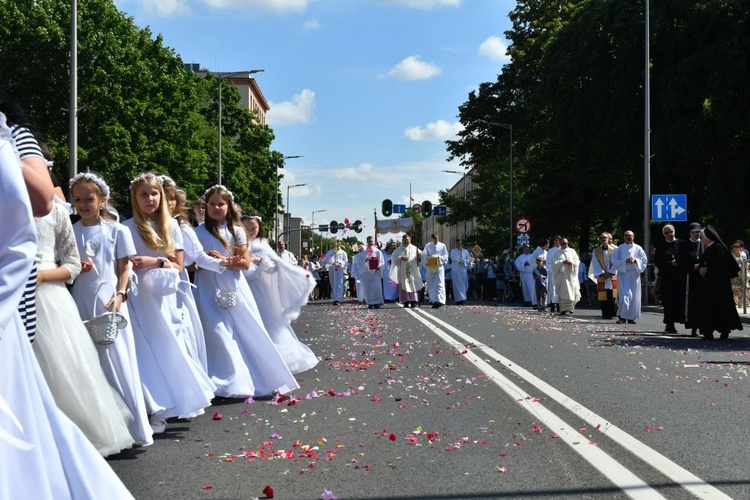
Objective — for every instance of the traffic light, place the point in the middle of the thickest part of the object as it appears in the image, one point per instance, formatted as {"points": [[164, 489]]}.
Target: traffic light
{"points": [[426, 208], [333, 227], [357, 226], [387, 208]]}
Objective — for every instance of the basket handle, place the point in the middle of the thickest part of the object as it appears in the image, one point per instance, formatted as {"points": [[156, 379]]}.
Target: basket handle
{"points": [[96, 295]]}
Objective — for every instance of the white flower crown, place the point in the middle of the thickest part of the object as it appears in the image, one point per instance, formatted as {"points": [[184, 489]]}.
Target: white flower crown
{"points": [[146, 176], [93, 178], [166, 180], [217, 187]]}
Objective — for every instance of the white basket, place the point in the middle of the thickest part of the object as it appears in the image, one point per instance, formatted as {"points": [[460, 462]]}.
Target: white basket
{"points": [[105, 327], [226, 300]]}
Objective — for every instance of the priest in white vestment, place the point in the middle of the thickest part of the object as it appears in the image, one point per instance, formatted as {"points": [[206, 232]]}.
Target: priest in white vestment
{"points": [[435, 257], [405, 272], [629, 260], [525, 266], [461, 262], [565, 272], [336, 261], [371, 274]]}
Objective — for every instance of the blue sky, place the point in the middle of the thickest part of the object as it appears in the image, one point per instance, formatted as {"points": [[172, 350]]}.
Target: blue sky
{"points": [[366, 91]]}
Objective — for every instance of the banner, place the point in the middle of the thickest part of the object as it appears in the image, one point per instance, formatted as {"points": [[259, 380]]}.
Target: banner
{"points": [[394, 225]]}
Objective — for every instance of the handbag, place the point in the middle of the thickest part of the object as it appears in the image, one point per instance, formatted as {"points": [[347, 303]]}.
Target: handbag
{"points": [[104, 328], [161, 281]]}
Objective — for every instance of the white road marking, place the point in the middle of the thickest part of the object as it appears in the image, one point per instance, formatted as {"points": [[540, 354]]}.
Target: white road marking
{"points": [[631, 484]]}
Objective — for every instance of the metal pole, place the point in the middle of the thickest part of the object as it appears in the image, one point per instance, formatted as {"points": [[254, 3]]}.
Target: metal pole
{"points": [[510, 129], [647, 152], [73, 139], [219, 145]]}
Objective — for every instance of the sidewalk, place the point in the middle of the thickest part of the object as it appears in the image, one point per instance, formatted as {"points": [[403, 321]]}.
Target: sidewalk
{"points": [[744, 317]]}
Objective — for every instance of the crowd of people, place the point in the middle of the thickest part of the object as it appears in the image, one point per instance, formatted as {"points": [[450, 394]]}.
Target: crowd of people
{"points": [[115, 326]]}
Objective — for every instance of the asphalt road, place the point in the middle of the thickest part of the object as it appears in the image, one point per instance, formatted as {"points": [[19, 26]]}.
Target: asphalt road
{"points": [[478, 401]]}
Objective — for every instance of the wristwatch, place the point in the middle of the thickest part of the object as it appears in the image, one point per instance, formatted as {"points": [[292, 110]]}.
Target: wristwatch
{"points": [[124, 296]]}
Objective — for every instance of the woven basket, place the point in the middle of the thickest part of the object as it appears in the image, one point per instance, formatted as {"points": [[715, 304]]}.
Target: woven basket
{"points": [[105, 327]]}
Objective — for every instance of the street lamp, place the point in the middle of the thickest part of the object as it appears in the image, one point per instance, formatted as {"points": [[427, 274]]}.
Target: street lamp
{"points": [[463, 194], [276, 195], [312, 227], [509, 127], [288, 212], [220, 75]]}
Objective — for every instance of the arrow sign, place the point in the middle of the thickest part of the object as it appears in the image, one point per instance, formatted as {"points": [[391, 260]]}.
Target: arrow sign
{"points": [[669, 207], [399, 209]]}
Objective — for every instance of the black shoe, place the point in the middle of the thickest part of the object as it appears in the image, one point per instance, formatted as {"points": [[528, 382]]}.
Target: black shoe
{"points": [[412, 304], [723, 335], [459, 303], [670, 329], [631, 321], [370, 307], [406, 305], [694, 332], [376, 306], [336, 303], [435, 305]]}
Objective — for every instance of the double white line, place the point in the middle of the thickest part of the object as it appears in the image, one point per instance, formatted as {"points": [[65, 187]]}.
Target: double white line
{"points": [[619, 475]]}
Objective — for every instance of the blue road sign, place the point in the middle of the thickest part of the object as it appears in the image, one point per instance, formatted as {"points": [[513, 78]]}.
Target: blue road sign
{"points": [[523, 239], [669, 207], [399, 209], [439, 210]]}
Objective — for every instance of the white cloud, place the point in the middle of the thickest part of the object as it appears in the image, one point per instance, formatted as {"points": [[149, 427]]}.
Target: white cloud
{"points": [[494, 48], [412, 68], [422, 4], [440, 130], [361, 173], [312, 25], [279, 6], [164, 8], [298, 110]]}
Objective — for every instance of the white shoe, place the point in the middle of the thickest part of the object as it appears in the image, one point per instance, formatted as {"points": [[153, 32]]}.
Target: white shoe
{"points": [[158, 425]]}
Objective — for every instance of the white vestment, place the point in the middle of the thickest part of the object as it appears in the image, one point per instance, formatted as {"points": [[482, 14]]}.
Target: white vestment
{"points": [[566, 278], [372, 279], [336, 262], [357, 272], [629, 279], [405, 269], [390, 288], [436, 276], [461, 261], [525, 267], [552, 297]]}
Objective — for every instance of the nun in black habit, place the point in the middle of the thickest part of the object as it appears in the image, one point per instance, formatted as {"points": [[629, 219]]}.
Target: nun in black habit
{"points": [[716, 309]]}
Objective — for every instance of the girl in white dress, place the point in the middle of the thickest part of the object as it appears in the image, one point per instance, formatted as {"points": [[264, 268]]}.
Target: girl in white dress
{"points": [[242, 359], [63, 347], [105, 247], [174, 384], [280, 290], [42, 453], [193, 255]]}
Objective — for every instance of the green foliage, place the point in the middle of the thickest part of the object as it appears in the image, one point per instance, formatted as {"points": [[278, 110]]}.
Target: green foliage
{"points": [[574, 93], [139, 109]]}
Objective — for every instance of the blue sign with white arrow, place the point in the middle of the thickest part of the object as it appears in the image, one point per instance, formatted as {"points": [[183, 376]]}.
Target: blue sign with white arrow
{"points": [[669, 207], [439, 210], [399, 209]]}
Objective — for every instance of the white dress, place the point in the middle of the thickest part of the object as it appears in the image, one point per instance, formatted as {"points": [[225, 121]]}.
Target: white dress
{"points": [[103, 245], [280, 290], [64, 349], [42, 453], [174, 384], [242, 359]]}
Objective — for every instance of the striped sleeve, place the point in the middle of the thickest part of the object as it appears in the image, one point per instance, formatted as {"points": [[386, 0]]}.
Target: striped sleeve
{"points": [[26, 143]]}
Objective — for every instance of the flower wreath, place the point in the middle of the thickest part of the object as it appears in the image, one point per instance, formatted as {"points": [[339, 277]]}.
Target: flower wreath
{"points": [[92, 178], [217, 187]]}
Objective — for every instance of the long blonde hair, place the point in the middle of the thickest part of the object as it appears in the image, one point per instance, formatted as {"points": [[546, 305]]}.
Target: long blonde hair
{"points": [[160, 236]]}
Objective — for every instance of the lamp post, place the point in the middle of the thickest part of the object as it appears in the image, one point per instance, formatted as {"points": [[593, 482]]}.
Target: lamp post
{"points": [[312, 226], [276, 215], [463, 194], [220, 76], [509, 127], [288, 212]]}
